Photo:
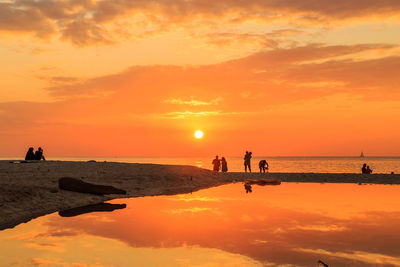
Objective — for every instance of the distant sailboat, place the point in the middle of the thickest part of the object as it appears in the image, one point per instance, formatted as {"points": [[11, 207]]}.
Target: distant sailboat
{"points": [[362, 154]]}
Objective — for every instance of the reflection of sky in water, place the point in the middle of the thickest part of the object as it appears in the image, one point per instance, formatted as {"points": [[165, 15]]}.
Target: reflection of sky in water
{"points": [[199, 164], [341, 224]]}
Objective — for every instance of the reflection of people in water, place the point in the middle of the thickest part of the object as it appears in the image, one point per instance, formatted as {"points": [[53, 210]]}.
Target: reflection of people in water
{"points": [[247, 159], [224, 167], [263, 182], [30, 155], [216, 163], [263, 165], [39, 154], [247, 187]]}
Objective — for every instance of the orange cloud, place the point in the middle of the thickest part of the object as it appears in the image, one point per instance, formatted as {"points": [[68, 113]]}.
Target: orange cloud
{"points": [[192, 102], [87, 22], [14, 18], [46, 262], [282, 75]]}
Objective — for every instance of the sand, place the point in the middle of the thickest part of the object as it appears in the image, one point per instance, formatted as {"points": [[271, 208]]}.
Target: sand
{"points": [[30, 190]]}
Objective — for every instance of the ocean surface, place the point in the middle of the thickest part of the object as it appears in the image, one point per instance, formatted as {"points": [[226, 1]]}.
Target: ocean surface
{"points": [[276, 164]]}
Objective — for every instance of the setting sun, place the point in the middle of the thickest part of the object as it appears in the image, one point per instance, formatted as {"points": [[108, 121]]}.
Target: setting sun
{"points": [[198, 134]]}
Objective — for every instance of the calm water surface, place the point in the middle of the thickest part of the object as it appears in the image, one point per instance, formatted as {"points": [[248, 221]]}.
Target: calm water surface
{"points": [[288, 225], [278, 164]]}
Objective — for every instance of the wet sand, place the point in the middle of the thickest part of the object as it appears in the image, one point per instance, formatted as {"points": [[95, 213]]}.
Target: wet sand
{"points": [[30, 190]]}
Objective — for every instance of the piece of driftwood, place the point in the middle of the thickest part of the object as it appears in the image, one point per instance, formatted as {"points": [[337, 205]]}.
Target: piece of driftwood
{"points": [[76, 185], [91, 208], [323, 263]]}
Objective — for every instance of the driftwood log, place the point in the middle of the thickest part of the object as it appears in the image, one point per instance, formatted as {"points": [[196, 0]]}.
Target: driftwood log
{"points": [[76, 185], [91, 208]]}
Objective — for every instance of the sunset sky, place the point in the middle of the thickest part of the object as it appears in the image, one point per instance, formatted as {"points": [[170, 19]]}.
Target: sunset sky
{"points": [[138, 78]]}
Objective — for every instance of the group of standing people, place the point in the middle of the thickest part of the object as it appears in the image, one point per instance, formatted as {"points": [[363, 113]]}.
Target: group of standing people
{"points": [[365, 169], [221, 163], [37, 155], [217, 163]]}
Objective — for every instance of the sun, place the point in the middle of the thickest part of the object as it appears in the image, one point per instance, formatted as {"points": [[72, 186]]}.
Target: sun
{"points": [[198, 134]]}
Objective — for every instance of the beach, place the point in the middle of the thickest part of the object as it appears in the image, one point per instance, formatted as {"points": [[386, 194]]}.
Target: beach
{"points": [[30, 190]]}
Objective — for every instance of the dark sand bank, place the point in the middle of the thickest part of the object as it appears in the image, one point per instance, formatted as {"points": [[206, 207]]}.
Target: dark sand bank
{"points": [[29, 190]]}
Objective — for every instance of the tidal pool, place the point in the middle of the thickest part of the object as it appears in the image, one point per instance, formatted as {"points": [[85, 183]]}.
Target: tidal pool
{"points": [[288, 225]]}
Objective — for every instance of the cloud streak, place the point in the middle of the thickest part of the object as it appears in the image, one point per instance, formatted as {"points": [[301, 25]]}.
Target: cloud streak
{"points": [[192, 102]]}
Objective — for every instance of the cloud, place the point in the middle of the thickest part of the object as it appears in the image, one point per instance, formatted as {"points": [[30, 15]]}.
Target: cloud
{"points": [[59, 233], [266, 40], [280, 75], [322, 228], [186, 114], [84, 32], [89, 22], [15, 18], [360, 256], [226, 38], [179, 9], [46, 246], [192, 102], [59, 262], [45, 262], [189, 210]]}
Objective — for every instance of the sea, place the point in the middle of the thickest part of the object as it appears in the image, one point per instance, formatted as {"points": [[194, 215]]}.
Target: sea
{"points": [[276, 164]]}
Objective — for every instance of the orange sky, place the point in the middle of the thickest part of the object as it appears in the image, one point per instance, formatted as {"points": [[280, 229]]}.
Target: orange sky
{"points": [[137, 78]]}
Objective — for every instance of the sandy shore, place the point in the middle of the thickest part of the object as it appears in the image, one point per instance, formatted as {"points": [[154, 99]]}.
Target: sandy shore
{"points": [[30, 190]]}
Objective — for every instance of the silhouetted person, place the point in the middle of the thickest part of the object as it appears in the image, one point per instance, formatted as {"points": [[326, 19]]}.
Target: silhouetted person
{"points": [[216, 164], [224, 167], [39, 154], [30, 155], [368, 170], [263, 165], [364, 168], [247, 158]]}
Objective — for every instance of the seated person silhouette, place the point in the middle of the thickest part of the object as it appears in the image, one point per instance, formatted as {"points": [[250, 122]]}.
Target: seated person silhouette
{"points": [[30, 155], [216, 164], [368, 170], [39, 154], [364, 168], [263, 165]]}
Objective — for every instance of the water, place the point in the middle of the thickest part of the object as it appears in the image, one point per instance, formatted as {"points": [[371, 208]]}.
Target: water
{"points": [[278, 164], [288, 225]]}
